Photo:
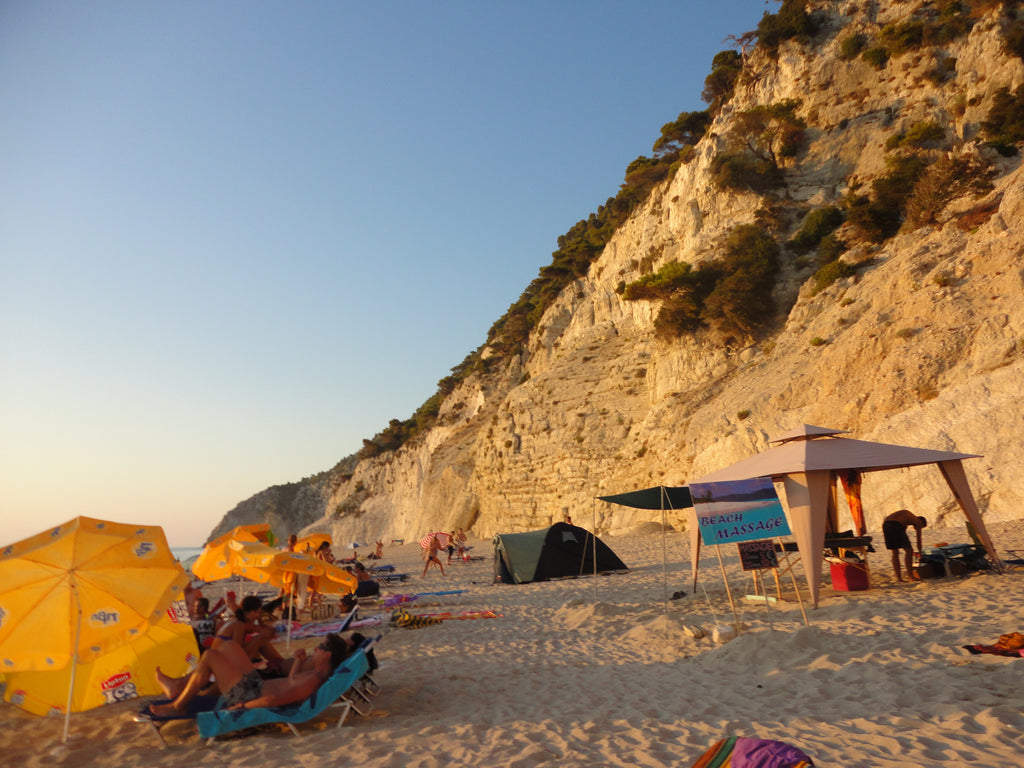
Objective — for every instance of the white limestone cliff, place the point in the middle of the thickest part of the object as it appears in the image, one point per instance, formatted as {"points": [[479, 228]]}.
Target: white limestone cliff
{"points": [[923, 347]]}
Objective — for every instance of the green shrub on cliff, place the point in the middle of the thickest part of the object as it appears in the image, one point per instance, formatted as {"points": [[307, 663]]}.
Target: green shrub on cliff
{"points": [[1004, 126], [878, 217], [819, 222], [721, 82], [731, 294], [791, 22]]}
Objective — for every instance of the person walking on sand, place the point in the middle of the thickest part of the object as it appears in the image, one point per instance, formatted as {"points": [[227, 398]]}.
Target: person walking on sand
{"points": [[894, 529], [451, 546], [433, 548]]}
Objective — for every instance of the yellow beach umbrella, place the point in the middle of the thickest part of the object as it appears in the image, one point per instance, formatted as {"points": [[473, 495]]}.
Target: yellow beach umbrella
{"points": [[267, 565], [311, 542], [75, 592], [214, 562], [125, 672]]}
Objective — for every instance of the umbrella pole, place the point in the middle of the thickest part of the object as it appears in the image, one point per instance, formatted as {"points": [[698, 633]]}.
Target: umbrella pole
{"points": [[74, 663], [288, 625]]}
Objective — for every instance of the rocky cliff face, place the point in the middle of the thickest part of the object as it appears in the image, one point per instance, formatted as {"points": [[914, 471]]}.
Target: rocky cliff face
{"points": [[922, 345]]}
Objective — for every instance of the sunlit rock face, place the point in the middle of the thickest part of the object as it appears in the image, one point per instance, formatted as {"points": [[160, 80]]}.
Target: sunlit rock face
{"points": [[921, 346]]}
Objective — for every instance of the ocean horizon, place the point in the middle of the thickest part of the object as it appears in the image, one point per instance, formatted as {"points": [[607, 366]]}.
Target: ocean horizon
{"points": [[184, 553]]}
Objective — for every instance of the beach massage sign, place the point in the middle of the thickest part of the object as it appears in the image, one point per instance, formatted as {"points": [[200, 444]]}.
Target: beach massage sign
{"points": [[738, 511]]}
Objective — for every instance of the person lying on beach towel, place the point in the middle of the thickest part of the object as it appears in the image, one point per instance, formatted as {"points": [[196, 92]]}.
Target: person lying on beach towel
{"points": [[241, 685]]}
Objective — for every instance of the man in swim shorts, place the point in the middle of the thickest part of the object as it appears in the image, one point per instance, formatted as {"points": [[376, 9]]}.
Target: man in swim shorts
{"points": [[242, 686], [894, 529]]}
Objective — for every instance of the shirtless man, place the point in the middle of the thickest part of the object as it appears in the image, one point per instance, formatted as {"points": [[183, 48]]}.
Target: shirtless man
{"points": [[241, 685], [894, 529], [435, 547]]}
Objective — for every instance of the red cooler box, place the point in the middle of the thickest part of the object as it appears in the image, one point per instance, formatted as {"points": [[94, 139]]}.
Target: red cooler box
{"points": [[849, 577]]}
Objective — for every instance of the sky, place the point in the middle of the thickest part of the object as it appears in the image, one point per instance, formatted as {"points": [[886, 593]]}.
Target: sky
{"points": [[239, 237]]}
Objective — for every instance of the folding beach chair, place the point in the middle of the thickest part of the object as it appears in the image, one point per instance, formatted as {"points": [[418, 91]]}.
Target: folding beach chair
{"points": [[157, 722], [350, 683], [335, 691]]}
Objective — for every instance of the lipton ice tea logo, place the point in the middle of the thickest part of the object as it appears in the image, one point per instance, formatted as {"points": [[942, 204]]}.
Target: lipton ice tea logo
{"points": [[105, 618], [118, 687]]}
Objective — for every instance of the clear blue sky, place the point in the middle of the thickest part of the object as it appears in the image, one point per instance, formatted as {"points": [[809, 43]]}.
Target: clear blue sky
{"points": [[238, 237]]}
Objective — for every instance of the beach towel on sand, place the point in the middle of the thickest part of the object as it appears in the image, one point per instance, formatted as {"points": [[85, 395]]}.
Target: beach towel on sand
{"points": [[1010, 644], [743, 752]]}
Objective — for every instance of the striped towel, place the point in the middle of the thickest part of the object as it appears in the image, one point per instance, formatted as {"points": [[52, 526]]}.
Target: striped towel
{"points": [[742, 752]]}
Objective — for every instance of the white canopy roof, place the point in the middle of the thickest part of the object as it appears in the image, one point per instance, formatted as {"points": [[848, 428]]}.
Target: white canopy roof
{"points": [[810, 448]]}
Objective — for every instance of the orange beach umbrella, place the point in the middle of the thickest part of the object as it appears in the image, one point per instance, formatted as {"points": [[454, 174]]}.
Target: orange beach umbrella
{"points": [[125, 672], [267, 565], [214, 562], [75, 592]]}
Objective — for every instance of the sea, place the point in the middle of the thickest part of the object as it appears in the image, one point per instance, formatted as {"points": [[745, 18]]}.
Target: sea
{"points": [[186, 555]]}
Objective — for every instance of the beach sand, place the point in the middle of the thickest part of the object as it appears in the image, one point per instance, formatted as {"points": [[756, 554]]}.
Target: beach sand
{"points": [[595, 672]]}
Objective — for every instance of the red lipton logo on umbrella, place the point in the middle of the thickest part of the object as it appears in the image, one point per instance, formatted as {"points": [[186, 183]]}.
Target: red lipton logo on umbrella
{"points": [[116, 681]]}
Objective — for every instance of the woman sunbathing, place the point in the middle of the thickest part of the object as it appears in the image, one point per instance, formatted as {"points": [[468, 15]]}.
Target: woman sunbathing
{"points": [[254, 636]]}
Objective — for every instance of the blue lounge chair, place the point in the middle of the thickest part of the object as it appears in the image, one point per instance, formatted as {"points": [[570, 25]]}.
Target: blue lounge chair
{"points": [[341, 688], [157, 722]]}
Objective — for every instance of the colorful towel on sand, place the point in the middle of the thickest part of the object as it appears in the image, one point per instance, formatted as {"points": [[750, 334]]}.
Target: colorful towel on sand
{"points": [[402, 618], [320, 628], [742, 752]]}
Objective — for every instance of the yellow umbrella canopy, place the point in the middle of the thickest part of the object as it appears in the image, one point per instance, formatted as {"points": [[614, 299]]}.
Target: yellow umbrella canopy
{"points": [[311, 542], [267, 565], [125, 672], [76, 591], [214, 562]]}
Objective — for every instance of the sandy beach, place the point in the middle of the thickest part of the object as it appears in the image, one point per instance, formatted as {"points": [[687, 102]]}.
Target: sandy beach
{"points": [[596, 672]]}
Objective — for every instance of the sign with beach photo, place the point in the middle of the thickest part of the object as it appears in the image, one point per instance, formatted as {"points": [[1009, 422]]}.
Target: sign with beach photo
{"points": [[738, 510]]}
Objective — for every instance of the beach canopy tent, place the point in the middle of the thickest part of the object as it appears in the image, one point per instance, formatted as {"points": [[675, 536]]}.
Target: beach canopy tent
{"points": [[808, 460], [557, 552], [661, 497]]}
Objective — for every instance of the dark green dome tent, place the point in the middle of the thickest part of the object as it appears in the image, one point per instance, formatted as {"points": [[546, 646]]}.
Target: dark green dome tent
{"points": [[561, 551]]}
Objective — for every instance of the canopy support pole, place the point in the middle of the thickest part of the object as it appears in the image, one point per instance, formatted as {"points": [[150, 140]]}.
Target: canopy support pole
{"points": [[728, 591], [664, 550], [593, 543]]}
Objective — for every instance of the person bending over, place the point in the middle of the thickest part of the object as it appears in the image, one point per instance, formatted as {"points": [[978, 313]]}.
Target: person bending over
{"points": [[242, 686], [894, 529]]}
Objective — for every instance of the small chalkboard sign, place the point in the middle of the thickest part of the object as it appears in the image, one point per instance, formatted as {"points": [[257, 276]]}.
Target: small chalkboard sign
{"points": [[757, 555]]}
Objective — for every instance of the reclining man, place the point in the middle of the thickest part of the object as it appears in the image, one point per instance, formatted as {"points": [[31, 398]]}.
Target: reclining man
{"points": [[242, 686]]}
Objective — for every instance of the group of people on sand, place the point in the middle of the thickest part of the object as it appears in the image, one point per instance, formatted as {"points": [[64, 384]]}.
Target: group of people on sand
{"points": [[241, 663], [292, 586], [245, 668]]}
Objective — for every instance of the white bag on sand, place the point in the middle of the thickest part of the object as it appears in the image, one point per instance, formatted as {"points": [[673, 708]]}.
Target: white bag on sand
{"points": [[723, 633]]}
